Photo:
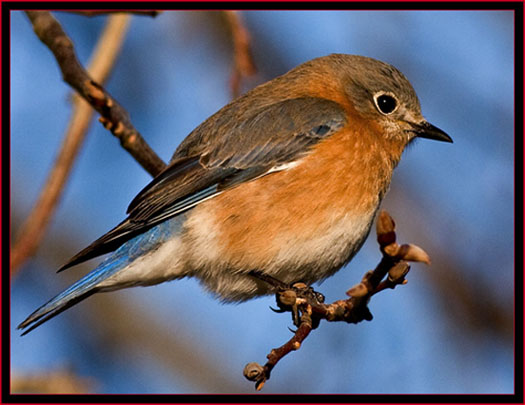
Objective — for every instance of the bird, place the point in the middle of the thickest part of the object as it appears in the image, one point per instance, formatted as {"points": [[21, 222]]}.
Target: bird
{"points": [[283, 182]]}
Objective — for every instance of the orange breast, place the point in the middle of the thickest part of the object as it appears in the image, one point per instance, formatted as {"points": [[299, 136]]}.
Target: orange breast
{"points": [[338, 185]]}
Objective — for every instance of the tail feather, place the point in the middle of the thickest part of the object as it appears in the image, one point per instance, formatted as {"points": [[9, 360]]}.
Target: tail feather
{"points": [[91, 283], [40, 316], [79, 291]]}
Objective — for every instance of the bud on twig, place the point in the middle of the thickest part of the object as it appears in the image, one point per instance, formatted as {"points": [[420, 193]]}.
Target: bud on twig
{"points": [[385, 229], [413, 253], [357, 291], [253, 371], [399, 271]]}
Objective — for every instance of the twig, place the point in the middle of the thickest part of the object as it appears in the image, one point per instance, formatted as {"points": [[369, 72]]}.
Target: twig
{"points": [[113, 116], [302, 299], [102, 61], [242, 54], [254, 372]]}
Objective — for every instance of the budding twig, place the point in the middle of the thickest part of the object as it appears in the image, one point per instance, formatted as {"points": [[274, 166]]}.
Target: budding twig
{"points": [[389, 273], [260, 374]]}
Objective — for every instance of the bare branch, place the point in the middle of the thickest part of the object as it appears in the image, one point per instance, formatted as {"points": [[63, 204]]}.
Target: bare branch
{"points": [[242, 54], [113, 115], [254, 372], [102, 61], [308, 307]]}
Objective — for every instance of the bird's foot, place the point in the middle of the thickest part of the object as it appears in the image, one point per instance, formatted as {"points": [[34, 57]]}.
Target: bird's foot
{"points": [[290, 296]]}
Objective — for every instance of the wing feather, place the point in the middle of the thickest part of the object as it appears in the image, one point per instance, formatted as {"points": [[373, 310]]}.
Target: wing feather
{"points": [[222, 153]]}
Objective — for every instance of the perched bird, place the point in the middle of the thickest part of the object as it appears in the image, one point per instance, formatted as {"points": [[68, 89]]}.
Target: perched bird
{"points": [[284, 181]]}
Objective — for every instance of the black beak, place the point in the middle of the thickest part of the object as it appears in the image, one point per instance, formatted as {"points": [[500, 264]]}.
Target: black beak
{"points": [[429, 131]]}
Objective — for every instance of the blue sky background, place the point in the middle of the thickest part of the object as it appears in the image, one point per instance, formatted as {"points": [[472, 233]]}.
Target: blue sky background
{"points": [[449, 330]]}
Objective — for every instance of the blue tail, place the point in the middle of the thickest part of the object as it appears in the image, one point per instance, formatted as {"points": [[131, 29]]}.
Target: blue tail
{"points": [[90, 283], [79, 291]]}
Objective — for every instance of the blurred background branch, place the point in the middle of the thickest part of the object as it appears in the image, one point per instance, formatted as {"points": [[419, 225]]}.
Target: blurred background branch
{"points": [[60, 381], [243, 64], [94, 13]]}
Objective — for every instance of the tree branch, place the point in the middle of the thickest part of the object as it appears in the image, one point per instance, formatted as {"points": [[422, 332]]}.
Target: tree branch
{"points": [[113, 116], [308, 308], [102, 61]]}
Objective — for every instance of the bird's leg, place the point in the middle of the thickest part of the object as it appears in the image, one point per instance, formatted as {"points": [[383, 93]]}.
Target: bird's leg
{"points": [[278, 284], [288, 296]]}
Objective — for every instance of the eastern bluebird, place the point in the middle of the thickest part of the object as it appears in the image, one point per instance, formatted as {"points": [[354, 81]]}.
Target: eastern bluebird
{"points": [[285, 181]]}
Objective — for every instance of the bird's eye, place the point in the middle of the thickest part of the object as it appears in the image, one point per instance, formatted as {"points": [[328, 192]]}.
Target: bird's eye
{"points": [[386, 103]]}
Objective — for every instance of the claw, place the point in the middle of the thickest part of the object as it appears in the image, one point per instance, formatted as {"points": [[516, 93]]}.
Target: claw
{"points": [[291, 330], [295, 316], [319, 297], [279, 311]]}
